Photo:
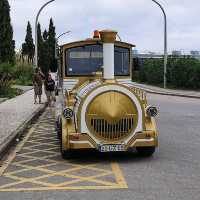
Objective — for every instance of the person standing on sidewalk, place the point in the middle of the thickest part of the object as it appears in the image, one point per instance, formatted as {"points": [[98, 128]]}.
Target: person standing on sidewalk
{"points": [[37, 83], [50, 90]]}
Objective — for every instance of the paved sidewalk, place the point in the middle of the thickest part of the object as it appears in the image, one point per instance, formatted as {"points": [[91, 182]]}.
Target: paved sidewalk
{"points": [[15, 114], [162, 91], [3, 99]]}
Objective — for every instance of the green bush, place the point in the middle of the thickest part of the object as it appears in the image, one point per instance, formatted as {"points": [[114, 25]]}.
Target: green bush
{"points": [[23, 74], [14, 74], [181, 72], [152, 71], [184, 72], [5, 78]]}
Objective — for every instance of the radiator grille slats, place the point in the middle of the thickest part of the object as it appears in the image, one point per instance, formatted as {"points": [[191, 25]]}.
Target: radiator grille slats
{"points": [[104, 129]]}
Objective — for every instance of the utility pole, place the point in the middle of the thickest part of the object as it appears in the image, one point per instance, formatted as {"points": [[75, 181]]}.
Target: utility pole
{"points": [[165, 42], [36, 30]]}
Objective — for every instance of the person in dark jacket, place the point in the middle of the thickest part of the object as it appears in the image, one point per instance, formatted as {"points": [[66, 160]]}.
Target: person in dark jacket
{"points": [[50, 89]]}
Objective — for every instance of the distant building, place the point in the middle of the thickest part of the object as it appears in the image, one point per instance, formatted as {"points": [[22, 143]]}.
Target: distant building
{"points": [[147, 55], [176, 53], [135, 51], [138, 59], [194, 53]]}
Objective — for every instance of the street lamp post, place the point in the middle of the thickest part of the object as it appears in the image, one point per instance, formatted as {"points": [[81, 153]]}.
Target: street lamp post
{"points": [[36, 30], [56, 41], [165, 42], [58, 60]]}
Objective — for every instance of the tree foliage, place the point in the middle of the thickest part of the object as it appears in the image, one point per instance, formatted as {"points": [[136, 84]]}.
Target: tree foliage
{"points": [[40, 46], [28, 47], [46, 48], [51, 46], [182, 72], [44, 54], [7, 44]]}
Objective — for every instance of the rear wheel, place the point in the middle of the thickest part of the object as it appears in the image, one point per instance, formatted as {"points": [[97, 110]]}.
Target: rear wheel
{"points": [[145, 151]]}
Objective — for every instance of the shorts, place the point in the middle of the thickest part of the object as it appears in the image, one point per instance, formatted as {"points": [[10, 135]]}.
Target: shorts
{"points": [[50, 95], [38, 90]]}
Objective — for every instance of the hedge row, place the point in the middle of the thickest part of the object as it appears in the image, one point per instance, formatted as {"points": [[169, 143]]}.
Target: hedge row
{"points": [[181, 72]]}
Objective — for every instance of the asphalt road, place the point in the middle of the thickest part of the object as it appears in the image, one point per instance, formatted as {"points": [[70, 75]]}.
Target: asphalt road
{"points": [[172, 173]]}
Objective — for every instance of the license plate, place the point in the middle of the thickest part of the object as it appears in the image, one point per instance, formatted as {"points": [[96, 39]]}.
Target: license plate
{"points": [[111, 148]]}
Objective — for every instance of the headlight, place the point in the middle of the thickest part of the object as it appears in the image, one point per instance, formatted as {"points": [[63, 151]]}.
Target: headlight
{"points": [[151, 111], [68, 113]]}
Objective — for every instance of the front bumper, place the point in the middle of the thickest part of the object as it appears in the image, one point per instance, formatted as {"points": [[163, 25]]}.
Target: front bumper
{"points": [[84, 141]]}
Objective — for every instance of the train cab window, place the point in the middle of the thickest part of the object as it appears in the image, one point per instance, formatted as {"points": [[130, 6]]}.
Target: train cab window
{"points": [[122, 61], [84, 60]]}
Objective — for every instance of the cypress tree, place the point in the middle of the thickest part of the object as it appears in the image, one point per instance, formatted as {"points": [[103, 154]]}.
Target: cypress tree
{"points": [[28, 47], [51, 45], [44, 54], [24, 50], [7, 44]]}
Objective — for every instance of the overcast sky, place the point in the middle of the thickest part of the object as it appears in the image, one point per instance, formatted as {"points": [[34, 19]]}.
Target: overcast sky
{"points": [[138, 21]]}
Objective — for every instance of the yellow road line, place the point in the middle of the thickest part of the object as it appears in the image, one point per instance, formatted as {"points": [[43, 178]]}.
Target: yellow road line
{"points": [[62, 188], [120, 181], [28, 180], [78, 179], [13, 154], [37, 136], [74, 167], [35, 158], [27, 169], [38, 150], [119, 175], [38, 144], [50, 174], [89, 179]]}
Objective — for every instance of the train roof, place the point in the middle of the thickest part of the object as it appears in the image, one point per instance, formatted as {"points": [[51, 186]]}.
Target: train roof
{"points": [[94, 41]]}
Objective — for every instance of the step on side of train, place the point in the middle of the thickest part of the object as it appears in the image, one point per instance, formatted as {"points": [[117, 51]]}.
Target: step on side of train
{"points": [[101, 108]]}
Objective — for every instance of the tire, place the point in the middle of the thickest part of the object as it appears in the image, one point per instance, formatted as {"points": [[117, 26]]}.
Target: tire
{"points": [[58, 128], [145, 151], [66, 154]]}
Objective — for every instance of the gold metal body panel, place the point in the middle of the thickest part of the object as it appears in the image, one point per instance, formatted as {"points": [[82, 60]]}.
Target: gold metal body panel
{"points": [[115, 106], [111, 116], [110, 106]]}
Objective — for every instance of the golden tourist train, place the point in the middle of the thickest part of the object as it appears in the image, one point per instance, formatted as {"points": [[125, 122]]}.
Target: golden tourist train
{"points": [[101, 107]]}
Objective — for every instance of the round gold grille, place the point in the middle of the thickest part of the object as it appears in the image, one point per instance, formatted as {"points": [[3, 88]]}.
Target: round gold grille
{"points": [[111, 116]]}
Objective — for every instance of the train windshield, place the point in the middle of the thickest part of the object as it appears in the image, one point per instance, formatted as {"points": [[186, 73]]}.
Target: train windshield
{"points": [[87, 59]]}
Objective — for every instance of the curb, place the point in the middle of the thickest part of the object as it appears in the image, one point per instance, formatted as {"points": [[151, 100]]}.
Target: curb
{"points": [[168, 93], [174, 94], [11, 139]]}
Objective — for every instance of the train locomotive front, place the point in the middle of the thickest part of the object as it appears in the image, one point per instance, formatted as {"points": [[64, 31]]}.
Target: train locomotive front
{"points": [[103, 110]]}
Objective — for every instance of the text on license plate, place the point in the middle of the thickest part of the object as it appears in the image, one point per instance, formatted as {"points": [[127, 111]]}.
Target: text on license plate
{"points": [[111, 148]]}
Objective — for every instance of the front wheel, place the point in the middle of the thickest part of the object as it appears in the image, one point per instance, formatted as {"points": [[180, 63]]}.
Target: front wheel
{"points": [[67, 154], [145, 151]]}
